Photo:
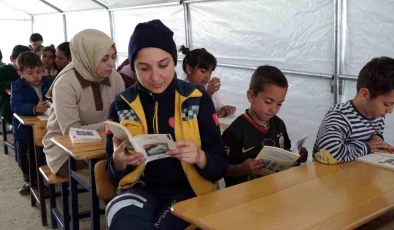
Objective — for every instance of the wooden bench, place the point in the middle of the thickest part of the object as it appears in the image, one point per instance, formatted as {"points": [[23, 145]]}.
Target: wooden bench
{"points": [[52, 180]]}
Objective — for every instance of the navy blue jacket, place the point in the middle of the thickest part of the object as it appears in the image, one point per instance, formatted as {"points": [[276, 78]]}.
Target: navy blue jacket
{"points": [[168, 172], [23, 100]]}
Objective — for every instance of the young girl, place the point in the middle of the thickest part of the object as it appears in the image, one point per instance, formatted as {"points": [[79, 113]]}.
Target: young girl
{"points": [[63, 55], [48, 62], [198, 64]]}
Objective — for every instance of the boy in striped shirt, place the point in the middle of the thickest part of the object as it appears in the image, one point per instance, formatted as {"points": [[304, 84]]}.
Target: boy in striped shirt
{"points": [[355, 128]]}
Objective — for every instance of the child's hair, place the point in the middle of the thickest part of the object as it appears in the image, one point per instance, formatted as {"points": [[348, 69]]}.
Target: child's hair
{"points": [[50, 48], [377, 76], [36, 37], [18, 50], [198, 58], [265, 75], [28, 60], [65, 48]]}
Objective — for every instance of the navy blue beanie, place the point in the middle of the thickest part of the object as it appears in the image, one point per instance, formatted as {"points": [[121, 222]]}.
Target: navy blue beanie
{"points": [[151, 34]]}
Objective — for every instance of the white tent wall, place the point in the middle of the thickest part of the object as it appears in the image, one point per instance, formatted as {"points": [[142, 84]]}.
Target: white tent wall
{"points": [[78, 21], [51, 28], [368, 29], [293, 35], [15, 22]]}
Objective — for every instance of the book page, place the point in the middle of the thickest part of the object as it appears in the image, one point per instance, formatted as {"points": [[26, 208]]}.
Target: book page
{"points": [[385, 160], [299, 144], [119, 130], [276, 160], [153, 146]]}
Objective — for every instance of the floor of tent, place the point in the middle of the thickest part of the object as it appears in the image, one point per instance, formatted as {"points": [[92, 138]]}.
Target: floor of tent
{"points": [[17, 214]]}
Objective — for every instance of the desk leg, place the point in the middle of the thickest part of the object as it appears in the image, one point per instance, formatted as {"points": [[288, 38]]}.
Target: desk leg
{"points": [[72, 164], [94, 201], [32, 165], [40, 186]]}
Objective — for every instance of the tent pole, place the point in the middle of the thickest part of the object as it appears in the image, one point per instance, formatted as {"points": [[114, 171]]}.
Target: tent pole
{"points": [[336, 50]]}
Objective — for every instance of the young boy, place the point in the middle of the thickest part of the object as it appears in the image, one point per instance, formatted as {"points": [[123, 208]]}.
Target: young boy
{"points": [[27, 99], [258, 126], [9, 74], [36, 43], [355, 128]]}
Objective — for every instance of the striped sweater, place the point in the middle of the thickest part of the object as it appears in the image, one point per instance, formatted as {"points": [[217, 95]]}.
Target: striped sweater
{"points": [[344, 133]]}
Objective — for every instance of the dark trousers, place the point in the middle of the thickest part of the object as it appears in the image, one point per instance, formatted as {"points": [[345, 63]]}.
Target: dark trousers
{"points": [[143, 208], [23, 159]]}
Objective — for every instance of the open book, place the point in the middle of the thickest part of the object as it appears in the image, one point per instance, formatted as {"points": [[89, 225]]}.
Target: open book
{"points": [[153, 146], [385, 160], [276, 159], [83, 135]]}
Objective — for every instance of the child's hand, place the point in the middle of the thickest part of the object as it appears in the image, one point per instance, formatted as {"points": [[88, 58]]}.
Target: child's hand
{"points": [[213, 85], [377, 144], [122, 157], [250, 167], [303, 155], [41, 107], [227, 110]]}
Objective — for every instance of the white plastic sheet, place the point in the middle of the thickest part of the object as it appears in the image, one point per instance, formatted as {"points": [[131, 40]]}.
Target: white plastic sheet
{"points": [[290, 34], [21, 31], [126, 20], [31, 6], [126, 3], [78, 21], [73, 5], [8, 11], [50, 27], [369, 30]]}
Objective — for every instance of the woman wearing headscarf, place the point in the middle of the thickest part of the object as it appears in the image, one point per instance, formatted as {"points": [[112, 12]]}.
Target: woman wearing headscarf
{"points": [[81, 93], [160, 103]]}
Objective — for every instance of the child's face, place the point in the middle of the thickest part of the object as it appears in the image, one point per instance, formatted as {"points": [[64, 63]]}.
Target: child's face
{"points": [[35, 44], [47, 59], [267, 104], [381, 105], [61, 60], [32, 76], [199, 76]]}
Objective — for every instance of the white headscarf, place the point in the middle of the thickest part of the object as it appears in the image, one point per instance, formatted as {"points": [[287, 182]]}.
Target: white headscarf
{"points": [[88, 48]]}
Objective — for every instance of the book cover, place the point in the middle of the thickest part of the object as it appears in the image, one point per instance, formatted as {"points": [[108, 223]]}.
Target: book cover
{"points": [[84, 135]]}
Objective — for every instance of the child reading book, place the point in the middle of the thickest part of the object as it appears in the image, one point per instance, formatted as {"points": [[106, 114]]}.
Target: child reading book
{"points": [[27, 99], [258, 126], [355, 128], [199, 64]]}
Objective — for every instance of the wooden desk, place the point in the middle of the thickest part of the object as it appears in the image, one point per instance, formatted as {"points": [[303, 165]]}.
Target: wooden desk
{"points": [[312, 196], [82, 151], [89, 152], [26, 120]]}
